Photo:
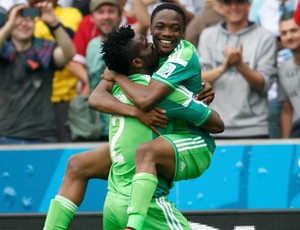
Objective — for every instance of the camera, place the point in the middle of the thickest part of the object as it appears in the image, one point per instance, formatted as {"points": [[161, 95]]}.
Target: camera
{"points": [[31, 12]]}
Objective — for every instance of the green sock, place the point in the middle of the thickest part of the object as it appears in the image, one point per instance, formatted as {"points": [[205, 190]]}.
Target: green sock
{"points": [[142, 190], [60, 213]]}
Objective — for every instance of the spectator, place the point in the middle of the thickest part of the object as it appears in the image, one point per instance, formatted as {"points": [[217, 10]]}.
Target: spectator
{"points": [[89, 73], [95, 64], [238, 58], [85, 33], [210, 16], [27, 65], [64, 83], [265, 13], [289, 75]]}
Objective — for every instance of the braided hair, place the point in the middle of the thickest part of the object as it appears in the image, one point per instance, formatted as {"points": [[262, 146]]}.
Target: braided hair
{"points": [[117, 50]]}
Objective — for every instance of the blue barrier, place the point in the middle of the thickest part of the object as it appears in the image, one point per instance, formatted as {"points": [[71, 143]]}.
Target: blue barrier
{"points": [[243, 175]]}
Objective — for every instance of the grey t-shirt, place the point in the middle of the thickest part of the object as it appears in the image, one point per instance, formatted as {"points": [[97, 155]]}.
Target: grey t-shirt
{"points": [[289, 85]]}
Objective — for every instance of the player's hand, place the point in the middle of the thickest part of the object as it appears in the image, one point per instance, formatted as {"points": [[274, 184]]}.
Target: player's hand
{"points": [[207, 94], [154, 118], [108, 75]]}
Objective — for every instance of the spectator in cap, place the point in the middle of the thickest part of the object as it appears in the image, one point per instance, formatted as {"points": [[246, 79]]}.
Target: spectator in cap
{"points": [[93, 25], [86, 32]]}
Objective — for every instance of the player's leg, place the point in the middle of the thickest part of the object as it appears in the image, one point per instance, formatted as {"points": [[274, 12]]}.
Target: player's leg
{"points": [[81, 167], [192, 156], [161, 215], [158, 153], [114, 211], [173, 157], [94, 163]]}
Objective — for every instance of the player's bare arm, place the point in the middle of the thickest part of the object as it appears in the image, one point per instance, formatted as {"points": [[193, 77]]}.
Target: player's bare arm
{"points": [[109, 104], [144, 97]]}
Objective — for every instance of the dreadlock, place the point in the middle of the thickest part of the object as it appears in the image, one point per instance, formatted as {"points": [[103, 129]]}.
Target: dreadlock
{"points": [[115, 50]]}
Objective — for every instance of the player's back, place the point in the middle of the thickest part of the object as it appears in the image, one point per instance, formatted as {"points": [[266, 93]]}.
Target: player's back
{"points": [[125, 135]]}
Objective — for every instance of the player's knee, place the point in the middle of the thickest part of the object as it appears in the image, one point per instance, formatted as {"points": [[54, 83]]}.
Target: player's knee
{"points": [[74, 167], [144, 153]]}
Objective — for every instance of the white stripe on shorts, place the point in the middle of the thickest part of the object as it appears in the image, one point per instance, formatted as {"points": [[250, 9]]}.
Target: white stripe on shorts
{"points": [[171, 219], [189, 143]]}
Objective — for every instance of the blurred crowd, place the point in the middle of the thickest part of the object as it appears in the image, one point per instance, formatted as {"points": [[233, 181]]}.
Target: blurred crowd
{"points": [[51, 62]]}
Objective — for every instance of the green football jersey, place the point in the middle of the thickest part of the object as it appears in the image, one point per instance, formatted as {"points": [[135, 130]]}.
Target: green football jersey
{"points": [[127, 133], [180, 67]]}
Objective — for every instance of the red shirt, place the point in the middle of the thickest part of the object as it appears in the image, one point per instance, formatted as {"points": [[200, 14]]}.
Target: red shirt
{"points": [[86, 32], [297, 14]]}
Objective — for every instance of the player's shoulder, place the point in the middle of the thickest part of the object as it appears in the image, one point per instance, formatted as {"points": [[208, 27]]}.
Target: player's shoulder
{"points": [[185, 46], [184, 52], [140, 78]]}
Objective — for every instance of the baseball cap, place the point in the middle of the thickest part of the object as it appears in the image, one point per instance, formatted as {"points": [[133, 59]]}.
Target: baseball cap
{"points": [[94, 4]]}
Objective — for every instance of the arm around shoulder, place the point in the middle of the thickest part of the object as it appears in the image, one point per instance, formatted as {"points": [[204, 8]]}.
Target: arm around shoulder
{"points": [[102, 100], [144, 97]]}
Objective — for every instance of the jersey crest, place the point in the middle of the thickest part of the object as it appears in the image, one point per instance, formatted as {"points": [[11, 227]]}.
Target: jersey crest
{"points": [[166, 70]]}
